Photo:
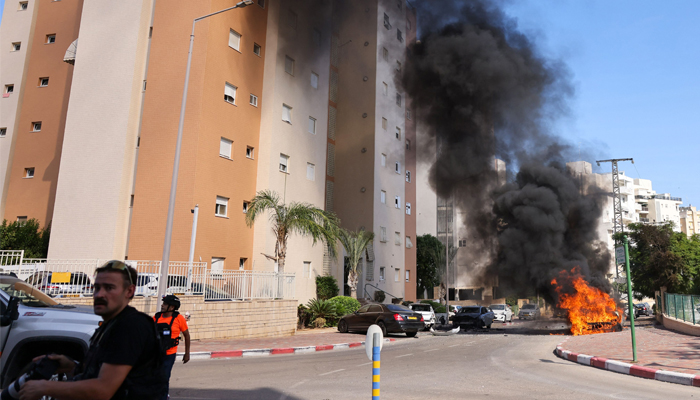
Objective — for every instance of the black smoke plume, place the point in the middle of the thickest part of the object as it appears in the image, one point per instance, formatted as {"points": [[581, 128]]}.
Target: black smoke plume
{"points": [[483, 91]]}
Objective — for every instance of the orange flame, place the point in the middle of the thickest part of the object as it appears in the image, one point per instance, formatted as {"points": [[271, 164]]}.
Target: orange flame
{"points": [[590, 310]]}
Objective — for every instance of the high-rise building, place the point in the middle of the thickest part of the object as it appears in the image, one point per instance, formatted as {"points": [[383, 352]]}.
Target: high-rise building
{"points": [[690, 220]]}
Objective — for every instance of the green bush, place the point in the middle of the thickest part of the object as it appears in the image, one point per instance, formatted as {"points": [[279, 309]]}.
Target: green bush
{"points": [[345, 305], [379, 296], [27, 236], [303, 316], [437, 307], [326, 287], [321, 309]]}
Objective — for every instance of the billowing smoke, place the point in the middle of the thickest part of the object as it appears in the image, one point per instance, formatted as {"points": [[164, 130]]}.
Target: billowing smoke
{"points": [[483, 91]]}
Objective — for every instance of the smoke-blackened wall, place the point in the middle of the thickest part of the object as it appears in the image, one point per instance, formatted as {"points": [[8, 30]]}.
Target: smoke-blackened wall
{"points": [[482, 89]]}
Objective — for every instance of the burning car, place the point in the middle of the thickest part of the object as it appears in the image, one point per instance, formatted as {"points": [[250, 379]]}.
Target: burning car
{"points": [[474, 316]]}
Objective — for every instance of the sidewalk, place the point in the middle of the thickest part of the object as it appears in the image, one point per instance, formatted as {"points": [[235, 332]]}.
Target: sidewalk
{"points": [[661, 354], [302, 342]]}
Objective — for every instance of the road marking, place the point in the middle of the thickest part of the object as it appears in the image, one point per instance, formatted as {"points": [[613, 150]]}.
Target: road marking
{"points": [[332, 372], [284, 396], [454, 345], [405, 355], [425, 351], [362, 365]]}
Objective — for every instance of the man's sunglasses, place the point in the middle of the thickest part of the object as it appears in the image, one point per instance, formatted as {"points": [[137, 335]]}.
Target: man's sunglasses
{"points": [[119, 266]]}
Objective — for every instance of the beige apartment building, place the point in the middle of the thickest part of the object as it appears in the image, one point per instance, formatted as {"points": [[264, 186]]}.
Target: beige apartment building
{"points": [[276, 101], [690, 220]]}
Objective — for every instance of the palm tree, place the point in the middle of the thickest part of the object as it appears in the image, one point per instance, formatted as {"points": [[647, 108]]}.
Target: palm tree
{"points": [[355, 244], [301, 218]]}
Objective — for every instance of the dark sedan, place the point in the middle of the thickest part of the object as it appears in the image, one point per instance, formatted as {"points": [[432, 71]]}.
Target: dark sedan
{"points": [[391, 318], [475, 316]]}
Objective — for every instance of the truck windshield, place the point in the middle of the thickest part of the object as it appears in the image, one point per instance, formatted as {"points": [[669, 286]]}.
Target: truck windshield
{"points": [[27, 294]]}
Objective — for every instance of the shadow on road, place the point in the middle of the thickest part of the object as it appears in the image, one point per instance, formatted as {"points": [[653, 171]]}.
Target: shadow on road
{"points": [[254, 394]]}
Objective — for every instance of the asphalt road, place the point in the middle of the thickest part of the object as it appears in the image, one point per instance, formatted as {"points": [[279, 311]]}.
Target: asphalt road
{"points": [[514, 363]]}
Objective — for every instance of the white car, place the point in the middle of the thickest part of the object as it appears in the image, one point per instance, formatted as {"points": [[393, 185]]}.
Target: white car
{"points": [[502, 312], [426, 310]]}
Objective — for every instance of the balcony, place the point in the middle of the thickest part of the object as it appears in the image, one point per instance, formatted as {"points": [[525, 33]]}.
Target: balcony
{"points": [[645, 220], [645, 209]]}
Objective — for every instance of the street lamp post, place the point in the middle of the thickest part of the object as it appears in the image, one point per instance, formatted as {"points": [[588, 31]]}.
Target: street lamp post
{"points": [[162, 281]]}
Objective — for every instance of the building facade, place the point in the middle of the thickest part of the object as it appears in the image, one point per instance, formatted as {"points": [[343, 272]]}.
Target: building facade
{"points": [[690, 220]]}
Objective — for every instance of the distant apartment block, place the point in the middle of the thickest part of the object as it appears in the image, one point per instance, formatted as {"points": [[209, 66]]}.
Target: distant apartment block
{"points": [[690, 220]]}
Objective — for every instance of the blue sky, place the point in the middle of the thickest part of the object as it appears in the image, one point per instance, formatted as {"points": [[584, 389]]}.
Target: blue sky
{"points": [[635, 70], [634, 66]]}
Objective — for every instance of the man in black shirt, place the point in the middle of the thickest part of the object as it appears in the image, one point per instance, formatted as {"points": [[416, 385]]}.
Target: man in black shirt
{"points": [[124, 358]]}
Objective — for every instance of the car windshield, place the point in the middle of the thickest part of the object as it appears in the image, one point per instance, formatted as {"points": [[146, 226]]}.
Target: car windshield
{"points": [[27, 295], [470, 310], [529, 307], [397, 308], [497, 307], [420, 307]]}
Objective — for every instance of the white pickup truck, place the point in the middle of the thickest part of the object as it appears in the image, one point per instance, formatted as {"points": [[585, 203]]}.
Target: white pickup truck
{"points": [[32, 324]]}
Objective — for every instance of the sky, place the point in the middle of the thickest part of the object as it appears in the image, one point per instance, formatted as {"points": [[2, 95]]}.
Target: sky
{"points": [[634, 66]]}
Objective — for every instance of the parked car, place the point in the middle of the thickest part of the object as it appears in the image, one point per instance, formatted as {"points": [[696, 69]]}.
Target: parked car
{"points": [[474, 316], [529, 311], [426, 310], [32, 324], [391, 318], [62, 284], [147, 284], [502, 312], [642, 309]]}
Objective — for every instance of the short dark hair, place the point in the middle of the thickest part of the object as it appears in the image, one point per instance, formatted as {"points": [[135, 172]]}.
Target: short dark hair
{"points": [[128, 273]]}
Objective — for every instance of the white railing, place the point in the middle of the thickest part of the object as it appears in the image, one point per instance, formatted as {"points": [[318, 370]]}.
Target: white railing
{"points": [[11, 257], [74, 278]]}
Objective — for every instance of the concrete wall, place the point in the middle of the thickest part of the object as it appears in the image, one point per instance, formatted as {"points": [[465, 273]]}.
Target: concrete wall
{"points": [[226, 319], [680, 325]]}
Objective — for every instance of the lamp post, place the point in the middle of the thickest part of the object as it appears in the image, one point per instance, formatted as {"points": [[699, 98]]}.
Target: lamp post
{"points": [[162, 281]]}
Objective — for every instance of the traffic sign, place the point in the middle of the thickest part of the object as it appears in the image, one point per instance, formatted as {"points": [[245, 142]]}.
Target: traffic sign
{"points": [[369, 341], [620, 255]]}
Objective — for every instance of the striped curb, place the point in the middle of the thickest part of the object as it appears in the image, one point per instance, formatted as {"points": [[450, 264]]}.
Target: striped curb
{"points": [[206, 355], [629, 369]]}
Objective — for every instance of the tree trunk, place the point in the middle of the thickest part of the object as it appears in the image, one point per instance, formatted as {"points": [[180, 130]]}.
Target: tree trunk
{"points": [[281, 256], [352, 283]]}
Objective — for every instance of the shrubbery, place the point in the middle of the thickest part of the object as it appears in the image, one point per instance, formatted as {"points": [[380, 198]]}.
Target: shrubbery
{"points": [[326, 287], [345, 305], [379, 296], [437, 307]]}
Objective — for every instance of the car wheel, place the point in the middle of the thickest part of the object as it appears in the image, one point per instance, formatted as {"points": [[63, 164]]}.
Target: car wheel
{"points": [[411, 334], [382, 327], [488, 326], [342, 326]]}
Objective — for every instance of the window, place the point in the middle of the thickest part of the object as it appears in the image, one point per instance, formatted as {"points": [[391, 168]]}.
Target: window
{"points": [[314, 80], [384, 123], [382, 197], [29, 172], [409, 243], [16, 46], [51, 38], [225, 148], [22, 220], [408, 114], [253, 100], [23, 5], [217, 266], [397, 167], [36, 126], [387, 24], [408, 276], [310, 172], [382, 274], [249, 152], [383, 160], [397, 202], [261, 3], [385, 88], [398, 66], [43, 82], [462, 242], [397, 273], [286, 113], [3, 132], [257, 49], [289, 65], [408, 176], [292, 19], [317, 37], [312, 125], [234, 40], [284, 163], [397, 238], [221, 206], [385, 54], [382, 234], [399, 35], [9, 89], [241, 263], [307, 269], [230, 93], [398, 133], [245, 207], [408, 144], [398, 99]]}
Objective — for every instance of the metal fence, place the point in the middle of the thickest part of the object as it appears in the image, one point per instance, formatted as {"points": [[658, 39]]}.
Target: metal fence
{"points": [[75, 278], [683, 306]]}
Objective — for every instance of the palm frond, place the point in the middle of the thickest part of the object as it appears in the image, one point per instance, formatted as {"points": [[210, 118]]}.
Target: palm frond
{"points": [[264, 200], [308, 220], [355, 244]]}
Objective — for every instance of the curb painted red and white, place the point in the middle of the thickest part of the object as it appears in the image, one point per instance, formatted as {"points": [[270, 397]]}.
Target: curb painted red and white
{"points": [[205, 355], [629, 369]]}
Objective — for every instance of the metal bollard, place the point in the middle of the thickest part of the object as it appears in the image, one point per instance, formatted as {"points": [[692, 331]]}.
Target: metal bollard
{"points": [[375, 366]]}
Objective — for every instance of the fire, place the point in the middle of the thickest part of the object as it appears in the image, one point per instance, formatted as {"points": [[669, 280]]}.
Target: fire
{"points": [[590, 310]]}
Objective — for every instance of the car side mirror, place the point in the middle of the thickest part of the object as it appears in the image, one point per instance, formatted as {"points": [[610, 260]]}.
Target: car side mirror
{"points": [[11, 312]]}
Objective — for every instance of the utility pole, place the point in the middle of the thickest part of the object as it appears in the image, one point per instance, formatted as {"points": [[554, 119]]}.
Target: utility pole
{"points": [[618, 225]]}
